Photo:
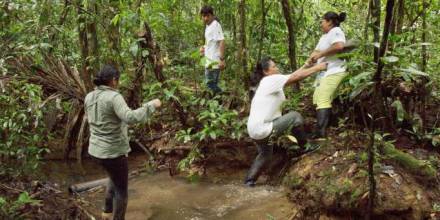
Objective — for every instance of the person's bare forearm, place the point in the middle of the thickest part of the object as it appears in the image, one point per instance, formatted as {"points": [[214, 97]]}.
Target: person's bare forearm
{"points": [[301, 74], [334, 49], [222, 49]]}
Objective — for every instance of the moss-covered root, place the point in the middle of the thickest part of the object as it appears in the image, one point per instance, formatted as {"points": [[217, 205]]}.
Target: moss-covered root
{"points": [[418, 167]]}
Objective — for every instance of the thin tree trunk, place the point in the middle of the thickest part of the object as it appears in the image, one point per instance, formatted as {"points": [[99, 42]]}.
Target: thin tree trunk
{"points": [[400, 16], [367, 20], [242, 46], [156, 60], [291, 37], [424, 53], [384, 43], [84, 45], [380, 100], [264, 11], [376, 26], [93, 38]]}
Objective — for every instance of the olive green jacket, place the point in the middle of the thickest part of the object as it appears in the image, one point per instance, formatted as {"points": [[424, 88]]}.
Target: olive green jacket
{"points": [[108, 116]]}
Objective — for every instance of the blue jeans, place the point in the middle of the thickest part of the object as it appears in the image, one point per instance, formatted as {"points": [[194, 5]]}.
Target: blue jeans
{"points": [[211, 77]]}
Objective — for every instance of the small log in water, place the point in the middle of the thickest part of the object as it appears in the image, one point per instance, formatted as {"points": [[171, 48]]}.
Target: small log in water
{"points": [[81, 187]]}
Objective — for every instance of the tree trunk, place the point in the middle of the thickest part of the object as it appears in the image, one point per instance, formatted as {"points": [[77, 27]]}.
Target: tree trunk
{"points": [[264, 11], [291, 37], [93, 38], [242, 50], [424, 53], [156, 60], [113, 37], [367, 20], [84, 45], [376, 26], [400, 15], [384, 43]]}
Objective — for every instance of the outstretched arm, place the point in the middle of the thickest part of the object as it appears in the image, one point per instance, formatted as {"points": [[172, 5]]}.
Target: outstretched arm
{"points": [[303, 73], [334, 49]]}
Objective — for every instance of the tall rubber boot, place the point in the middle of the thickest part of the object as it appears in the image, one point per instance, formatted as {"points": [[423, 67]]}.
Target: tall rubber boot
{"points": [[302, 137], [265, 152], [322, 116]]}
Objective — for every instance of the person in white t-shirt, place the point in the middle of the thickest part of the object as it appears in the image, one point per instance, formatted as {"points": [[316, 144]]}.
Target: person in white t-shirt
{"points": [[327, 82], [213, 50], [265, 119]]}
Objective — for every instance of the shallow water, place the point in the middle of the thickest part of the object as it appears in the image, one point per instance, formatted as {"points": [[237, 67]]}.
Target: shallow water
{"points": [[162, 197]]}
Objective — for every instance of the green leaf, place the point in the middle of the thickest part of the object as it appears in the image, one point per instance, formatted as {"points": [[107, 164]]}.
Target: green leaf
{"points": [[134, 49], [400, 111], [414, 71], [358, 90], [390, 59]]}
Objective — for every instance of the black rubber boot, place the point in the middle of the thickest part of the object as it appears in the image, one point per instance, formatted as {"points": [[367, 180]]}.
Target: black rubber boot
{"points": [[322, 116], [300, 135], [265, 152], [303, 142]]}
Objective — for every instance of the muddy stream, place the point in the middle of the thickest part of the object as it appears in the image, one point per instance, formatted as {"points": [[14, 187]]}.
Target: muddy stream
{"points": [[159, 196]]}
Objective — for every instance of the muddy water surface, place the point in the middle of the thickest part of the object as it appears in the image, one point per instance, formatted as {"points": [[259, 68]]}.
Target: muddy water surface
{"points": [[161, 197]]}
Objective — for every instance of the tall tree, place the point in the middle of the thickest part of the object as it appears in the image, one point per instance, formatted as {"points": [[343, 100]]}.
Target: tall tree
{"points": [[93, 37], [424, 53], [264, 11], [291, 33], [375, 6], [380, 103], [84, 44], [242, 50], [291, 36]]}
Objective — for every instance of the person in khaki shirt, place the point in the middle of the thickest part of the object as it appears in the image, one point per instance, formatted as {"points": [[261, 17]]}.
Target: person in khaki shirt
{"points": [[108, 116]]}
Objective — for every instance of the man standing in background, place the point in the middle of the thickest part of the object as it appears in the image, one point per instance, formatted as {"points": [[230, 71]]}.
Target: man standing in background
{"points": [[213, 50]]}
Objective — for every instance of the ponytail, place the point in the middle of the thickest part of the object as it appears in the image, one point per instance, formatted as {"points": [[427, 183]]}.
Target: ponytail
{"points": [[258, 73], [335, 18], [105, 75]]}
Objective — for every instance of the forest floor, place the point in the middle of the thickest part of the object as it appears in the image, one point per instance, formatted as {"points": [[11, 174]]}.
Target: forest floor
{"points": [[331, 183]]}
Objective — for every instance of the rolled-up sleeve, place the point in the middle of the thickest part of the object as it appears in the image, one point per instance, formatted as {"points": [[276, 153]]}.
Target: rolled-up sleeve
{"points": [[128, 115]]}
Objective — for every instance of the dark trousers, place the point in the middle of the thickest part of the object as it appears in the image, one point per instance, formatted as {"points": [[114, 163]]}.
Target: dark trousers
{"points": [[212, 78], [116, 195], [293, 121]]}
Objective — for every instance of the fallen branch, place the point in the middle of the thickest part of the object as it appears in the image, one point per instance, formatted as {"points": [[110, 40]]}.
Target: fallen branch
{"points": [[415, 166]]}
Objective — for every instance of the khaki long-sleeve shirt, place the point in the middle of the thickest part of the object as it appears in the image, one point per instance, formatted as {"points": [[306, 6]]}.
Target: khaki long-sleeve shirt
{"points": [[109, 116]]}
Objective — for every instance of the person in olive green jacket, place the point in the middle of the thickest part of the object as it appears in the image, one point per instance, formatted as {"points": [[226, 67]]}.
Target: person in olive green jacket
{"points": [[108, 116]]}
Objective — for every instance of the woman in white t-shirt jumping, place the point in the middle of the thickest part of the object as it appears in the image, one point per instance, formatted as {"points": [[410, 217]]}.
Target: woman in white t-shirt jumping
{"points": [[327, 82], [265, 119]]}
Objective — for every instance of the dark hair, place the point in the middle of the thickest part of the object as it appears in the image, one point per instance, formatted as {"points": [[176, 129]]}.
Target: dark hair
{"points": [[335, 18], [207, 10], [105, 75], [258, 73]]}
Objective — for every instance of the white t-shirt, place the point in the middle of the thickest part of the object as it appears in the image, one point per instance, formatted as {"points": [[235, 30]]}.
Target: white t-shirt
{"points": [[213, 36], [266, 106], [335, 65]]}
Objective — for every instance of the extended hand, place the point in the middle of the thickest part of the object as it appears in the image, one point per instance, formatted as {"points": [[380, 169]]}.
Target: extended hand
{"points": [[315, 56], [202, 50], [222, 65], [321, 66], [156, 103]]}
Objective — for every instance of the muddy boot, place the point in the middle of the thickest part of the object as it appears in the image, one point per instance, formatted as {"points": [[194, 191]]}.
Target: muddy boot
{"points": [[323, 116], [301, 137], [265, 152]]}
